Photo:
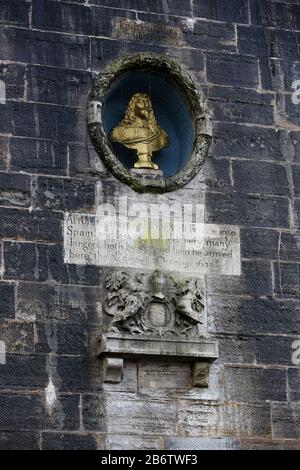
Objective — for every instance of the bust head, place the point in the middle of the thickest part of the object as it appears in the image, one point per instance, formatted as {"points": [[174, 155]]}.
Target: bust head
{"points": [[139, 107], [139, 130]]}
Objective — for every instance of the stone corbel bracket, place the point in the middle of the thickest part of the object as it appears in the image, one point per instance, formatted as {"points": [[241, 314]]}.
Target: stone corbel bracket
{"points": [[115, 347]]}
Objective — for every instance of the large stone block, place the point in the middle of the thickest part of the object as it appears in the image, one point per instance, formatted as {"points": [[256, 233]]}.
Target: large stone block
{"points": [[201, 443], [240, 105], [78, 373], [34, 225], [286, 420], [274, 350], [235, 12], [261, 42], [41, 262], [248, 210], [19, 440], [7, 300], [38, 156], [69, 338], [228, 314], [18, 336], [200, 418], [59, 86], [214, 176], [3, 152], [163, 376], [294, 383], [270, 14], [23, 372], [289, 247], [15, 190], [254, 384], [128, 414], [242, 141], [74, 18], [260, 178], [43, 121], [63, 194], [175, 7], [255, 279], [60, 441], [15, 12], [130, 442], [232, 70], [28, 46], [287, 279], [72, 304], [236, 349], [259, 243], [13, 75]]}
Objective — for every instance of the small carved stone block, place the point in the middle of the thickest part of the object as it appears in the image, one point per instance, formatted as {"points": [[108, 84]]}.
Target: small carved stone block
{"points": [[200, 373], [112, 369]]}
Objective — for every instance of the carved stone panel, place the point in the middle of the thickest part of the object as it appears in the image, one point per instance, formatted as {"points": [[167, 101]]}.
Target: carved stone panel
{"points": [[155, 315]]}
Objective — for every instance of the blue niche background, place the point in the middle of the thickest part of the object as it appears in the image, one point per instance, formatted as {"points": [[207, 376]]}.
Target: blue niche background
{"points": [[170, 110]]}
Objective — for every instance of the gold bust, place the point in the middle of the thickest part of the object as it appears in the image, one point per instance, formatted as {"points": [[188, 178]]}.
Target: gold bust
{"points": [[139, 130]]}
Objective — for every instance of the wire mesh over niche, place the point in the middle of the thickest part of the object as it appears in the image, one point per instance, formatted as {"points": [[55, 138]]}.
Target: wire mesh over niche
{"points": [[179, 109]]}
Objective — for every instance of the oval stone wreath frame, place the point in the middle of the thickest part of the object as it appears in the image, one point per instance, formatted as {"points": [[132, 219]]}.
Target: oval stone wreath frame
{"points": [[197, 106]]}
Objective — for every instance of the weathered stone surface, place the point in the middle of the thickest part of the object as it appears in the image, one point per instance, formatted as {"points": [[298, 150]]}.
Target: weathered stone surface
{"points": [[273, 350], [255, 279], [251, 142], [3, 152], [198, 418], [68, 304], [237, 10], [41, 262], [15, 190], [15, 12], [128, 415], [30, 225], [286, 420], [250, 384], [59, 441], [260, 243], [38, 156], [18, 336], [78, 373], [13, 75], [168, 376], [181, 7], [248, 315], [201, 443], [24, 412], [261, 42], [287, 279], [289, 247], [125, 442], [258, 178], [23, 371], [70, 338], [28, 46], [63, 194], [19, 440], [232, 70], [255, 211], [7, 300], [240, 105], [293, 383]]}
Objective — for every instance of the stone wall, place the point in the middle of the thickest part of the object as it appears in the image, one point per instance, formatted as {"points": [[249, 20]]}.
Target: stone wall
{"points": [[245, 55]]}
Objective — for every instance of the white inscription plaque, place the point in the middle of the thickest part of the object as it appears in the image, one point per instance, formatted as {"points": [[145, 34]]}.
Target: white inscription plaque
{"points": [[192, 248]]}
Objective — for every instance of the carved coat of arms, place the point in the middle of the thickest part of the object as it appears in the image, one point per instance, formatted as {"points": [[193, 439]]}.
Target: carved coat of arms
{"points": [[152, 304]]}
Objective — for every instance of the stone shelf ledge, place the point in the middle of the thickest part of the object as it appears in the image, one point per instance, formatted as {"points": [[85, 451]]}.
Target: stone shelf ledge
{"points": [[114, 348]]}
